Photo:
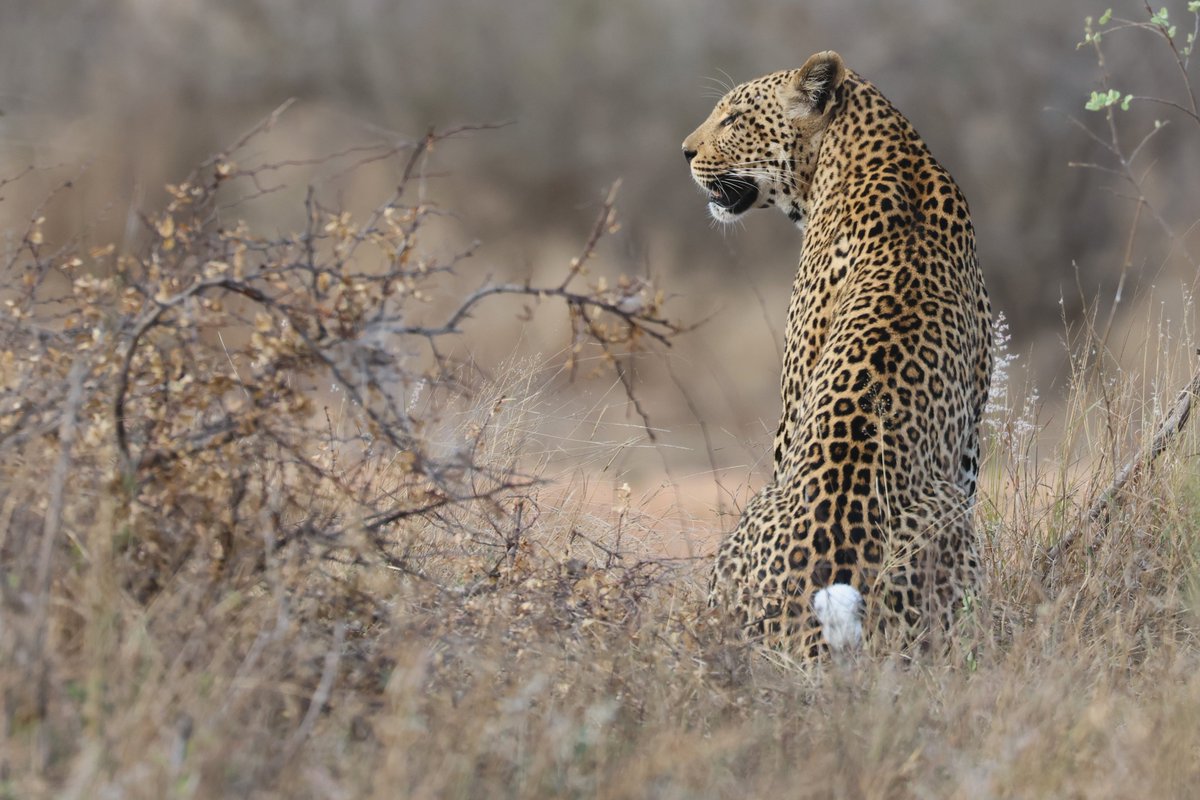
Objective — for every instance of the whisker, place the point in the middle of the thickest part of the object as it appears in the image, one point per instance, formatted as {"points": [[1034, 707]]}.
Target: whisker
{"points": [[729, 78], [726, 85]]}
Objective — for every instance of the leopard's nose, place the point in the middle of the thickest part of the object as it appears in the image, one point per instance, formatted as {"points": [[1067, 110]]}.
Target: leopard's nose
{"points": [[689, 154]]}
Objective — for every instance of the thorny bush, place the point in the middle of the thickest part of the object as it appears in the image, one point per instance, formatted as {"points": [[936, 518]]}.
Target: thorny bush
{"points": [[181, 391], [208, 438]]}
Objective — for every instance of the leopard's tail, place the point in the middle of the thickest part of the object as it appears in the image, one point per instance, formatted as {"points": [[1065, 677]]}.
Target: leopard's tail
{"points": [[839, 609]]}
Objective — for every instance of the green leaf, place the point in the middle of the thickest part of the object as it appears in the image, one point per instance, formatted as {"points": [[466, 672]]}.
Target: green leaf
{"points": [[1102, 100], [1125, 102], [1194, 6], [1161, 19], [1107, 15]]}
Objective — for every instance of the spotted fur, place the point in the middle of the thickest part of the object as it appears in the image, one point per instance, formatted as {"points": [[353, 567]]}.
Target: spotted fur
{"points": [[887, 361]]}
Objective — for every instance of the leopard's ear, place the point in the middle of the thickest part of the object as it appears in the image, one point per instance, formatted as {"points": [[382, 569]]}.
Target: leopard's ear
{"points": [[812, 87]]}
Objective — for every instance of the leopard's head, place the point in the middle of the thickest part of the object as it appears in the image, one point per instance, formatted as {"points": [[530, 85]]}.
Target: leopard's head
{"points": [[758, 147]]}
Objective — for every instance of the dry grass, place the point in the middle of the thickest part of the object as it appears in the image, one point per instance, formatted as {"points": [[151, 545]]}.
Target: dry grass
{"points": [[556, 668], [267, 531]]}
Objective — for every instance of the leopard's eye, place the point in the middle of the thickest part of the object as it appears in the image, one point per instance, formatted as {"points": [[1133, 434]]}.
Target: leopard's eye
{"points": [[725, 123]]}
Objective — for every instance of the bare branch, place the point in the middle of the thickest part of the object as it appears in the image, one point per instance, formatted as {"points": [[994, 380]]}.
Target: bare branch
{"points": [[1171, 426]]}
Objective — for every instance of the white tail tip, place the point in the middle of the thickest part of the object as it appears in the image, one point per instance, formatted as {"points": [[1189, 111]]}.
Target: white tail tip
{"points": [[839, 609]]}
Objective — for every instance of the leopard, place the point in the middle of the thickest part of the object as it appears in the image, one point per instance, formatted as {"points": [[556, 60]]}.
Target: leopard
{"points": [[863, 538]]}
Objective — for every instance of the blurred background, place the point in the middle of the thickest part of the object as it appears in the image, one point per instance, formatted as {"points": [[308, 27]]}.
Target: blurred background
{"points": [[124, 96]]}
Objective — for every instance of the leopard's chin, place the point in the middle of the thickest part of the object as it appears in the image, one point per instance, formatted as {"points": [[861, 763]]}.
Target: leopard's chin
{"points": [[722, 214]]}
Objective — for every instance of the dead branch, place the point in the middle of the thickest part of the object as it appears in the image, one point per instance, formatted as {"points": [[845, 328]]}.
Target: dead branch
{"points": [[1170, 428]]}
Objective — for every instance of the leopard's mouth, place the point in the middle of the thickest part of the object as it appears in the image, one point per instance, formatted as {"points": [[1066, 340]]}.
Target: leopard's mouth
{"points": [[732, 194]]}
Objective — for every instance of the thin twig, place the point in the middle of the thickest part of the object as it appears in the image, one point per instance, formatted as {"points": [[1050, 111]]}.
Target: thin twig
{"points": [[262, 126], [320, 695], [708, 445], [67, 425], [604, 223]]}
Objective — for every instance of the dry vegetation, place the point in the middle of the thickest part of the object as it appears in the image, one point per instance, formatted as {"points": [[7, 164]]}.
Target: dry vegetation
{"points": [[266, 530]]}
